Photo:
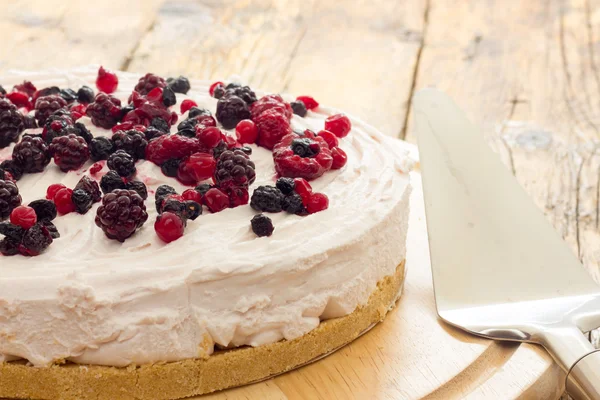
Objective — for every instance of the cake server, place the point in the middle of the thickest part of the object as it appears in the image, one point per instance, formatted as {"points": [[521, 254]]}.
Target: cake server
{"points": [[499, 269]]}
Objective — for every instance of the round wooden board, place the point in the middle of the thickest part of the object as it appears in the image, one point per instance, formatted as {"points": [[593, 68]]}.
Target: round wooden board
{"points": [[414, 355]]}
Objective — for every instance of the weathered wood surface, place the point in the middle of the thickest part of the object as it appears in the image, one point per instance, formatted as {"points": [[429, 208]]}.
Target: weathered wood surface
{"points": [[527, 72]]}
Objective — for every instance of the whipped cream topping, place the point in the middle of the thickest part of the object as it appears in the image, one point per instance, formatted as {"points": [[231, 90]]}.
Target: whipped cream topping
{"points": [[88, 299]]}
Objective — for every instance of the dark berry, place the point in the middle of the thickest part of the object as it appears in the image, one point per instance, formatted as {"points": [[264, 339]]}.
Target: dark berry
{"points": [[231, 110], [47, 105], [51, 228], [131, 141], [160, 124], [262, 225], [339, 124], [107, 81], [266, 198], [139, 187], [101, 147], [105, 111], [189, 133], [219, 149], [170, 167], [233, 85], [44, 209], [31, 154], [216, 86], [299, 108], [180, 84], [286, 185], [293, 204], [169, 227], [9, 247], [13, 168], [64, 201], [12, 231], [234, 168], [69, 95], [56, 124], [188, 123], [122, 213], [85, 95], [35, 241], [47, 91], [111, 181], [203, 188], [2, 91], [175, 206], [304, 147], [243, 92], [30, 122], [197, 112], [169, 98], [12, 123], [149, 82], [70, 152], [193, 209], [121, 162], [152, 133], [5, 175], [82, 201], [247, 150], [91, 186], [272, 127], [81, 130], [162, 192]]}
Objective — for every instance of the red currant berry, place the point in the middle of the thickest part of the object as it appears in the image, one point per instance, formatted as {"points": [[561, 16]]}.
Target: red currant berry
{"points": [[339, 124], [53, 189], [309, 102], [77, 111], [106, 81], [155, 95], [246, 131], [208, 136], [330, 138], [216, 200], [303, 188], [317, 202], [20, 99], [169, 227], [339, 158], [64, 202], [192, 194], [198, 167], [97, 167], [187, 104], [211, 89], [23, 216]]}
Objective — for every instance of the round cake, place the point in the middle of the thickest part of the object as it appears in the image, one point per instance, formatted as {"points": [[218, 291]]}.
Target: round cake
{"points": [[235, 235]]}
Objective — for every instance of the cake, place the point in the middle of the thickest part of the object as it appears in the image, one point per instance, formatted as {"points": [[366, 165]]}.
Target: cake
{"points": [[273, 274]]}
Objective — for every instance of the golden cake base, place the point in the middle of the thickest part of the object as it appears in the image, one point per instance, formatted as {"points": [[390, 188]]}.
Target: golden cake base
{"points": [[222, 370]]}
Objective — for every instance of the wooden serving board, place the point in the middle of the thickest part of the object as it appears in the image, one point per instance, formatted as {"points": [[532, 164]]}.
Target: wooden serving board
{"points": [[414, 355]]}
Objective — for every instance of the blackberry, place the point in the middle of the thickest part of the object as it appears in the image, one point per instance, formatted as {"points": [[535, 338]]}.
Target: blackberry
{"points": [[12, 123], [180, 84], [231, 110], [11, 231], [105, 111], [51, 228], [152, 133], [46, 92], [139, 187], [30, 122], [9, 247], [5, 175], [70, 152], [2, 91], [149, 82], [82, 201], [91, 186], [234, 168], [247, 150], [305, 148], [171, 167], [80, 130], [31, 154], [299, 108], [13, 168], [161, 193], [131, 141], [198, 112], [35, 241], [69, 95], [218, 92], [293, 204], [85, 95], [122, 213], [111, 181], [47, 105], [192, 210], [243, 92], [262, 225], [286, 185], [266, 198], [169, 98], [219, 149], [44, 209], [203, 188], [122, 163], [56, 124], [100, 148], [160, 124]]}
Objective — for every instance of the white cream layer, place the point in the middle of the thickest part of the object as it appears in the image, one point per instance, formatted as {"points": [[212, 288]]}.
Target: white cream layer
{"points": [[92, 300]]}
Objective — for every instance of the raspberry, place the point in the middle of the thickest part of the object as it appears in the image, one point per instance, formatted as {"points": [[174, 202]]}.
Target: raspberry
{"points": [[12, 123], [14, 169], [262, 225], [35, 241], [339, 158], [105, 111], [107, 81], [167, 147], [85, 95], [187, 104], [100, 148], [246, 131], [216, 200], [338, 124], [53, 189], [144, 113], [31, 154], [330, 138], [23, 216], [82, 201], [180, 84], [293, 204], [272, 127], [234, 168], [111, 181], [170, 167], [47, 105], [122, 213], [286, 185], [69, 95], [266, 198], [169, 227], [25, 87], [317, 202], [149, 82], [139, 187], [70, 152], [295, 156], [231, 110], [20, 99], [91, 186], [298, 108], [214, 86], [64, 201], [122, 163], [308, 102], [45, 210], [12, 231], [271, 102], [243, 92], [131, 141], [196, 168]]}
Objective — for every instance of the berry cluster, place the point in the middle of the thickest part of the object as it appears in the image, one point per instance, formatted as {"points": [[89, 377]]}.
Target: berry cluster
{"points": [[234, 103], [174, 211], [79, 199], [121, 214]]}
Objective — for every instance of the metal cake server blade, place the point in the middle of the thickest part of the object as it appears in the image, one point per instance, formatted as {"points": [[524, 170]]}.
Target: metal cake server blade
{"points": [[499, 268]]}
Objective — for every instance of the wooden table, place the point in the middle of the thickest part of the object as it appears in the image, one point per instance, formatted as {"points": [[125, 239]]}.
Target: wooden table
{"points": [[527, 71]]}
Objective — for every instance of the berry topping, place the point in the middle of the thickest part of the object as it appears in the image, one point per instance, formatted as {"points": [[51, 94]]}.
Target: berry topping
{"points": [[9, 247], [31, 154], [85, 95], [139, 187], [262, 225], [238, 196], [12, 231], [149, 82], [267, 198], [317, 202], [69, 95], [152, 133], [160, 124], [64, 201], [209, 137], [246, 131], [70, 152], [44, 209], [56, 124], [122, 213], [105, 111], [20, 99], [338, 124], [82, 201], [47, 91], [131, 141], [296, 156], [13, 168], [167, 147], [169, 227], [234, 168], [196, 168], [305, 147], [339, 158], [308, 101], [29, 121], [286, 185], [180, 84], [78, 110], [162, 192], [193, 195], [302, 187], [11, 123], [243, 92], [35, 241], [47, 105], [271, 102], [203, 188], [272, 127], [54, 234], [293, 204], [330, 138], [122, 163], [107, 81], [26, 87], [231, 110], [174, 203], [193, 209], [23, 216], [299, 108], [168, 97], [96, 167], [216, 200], [53, 189], [111, 181], [170, 167], [214, 86], [187, 104], [101, 147]]}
